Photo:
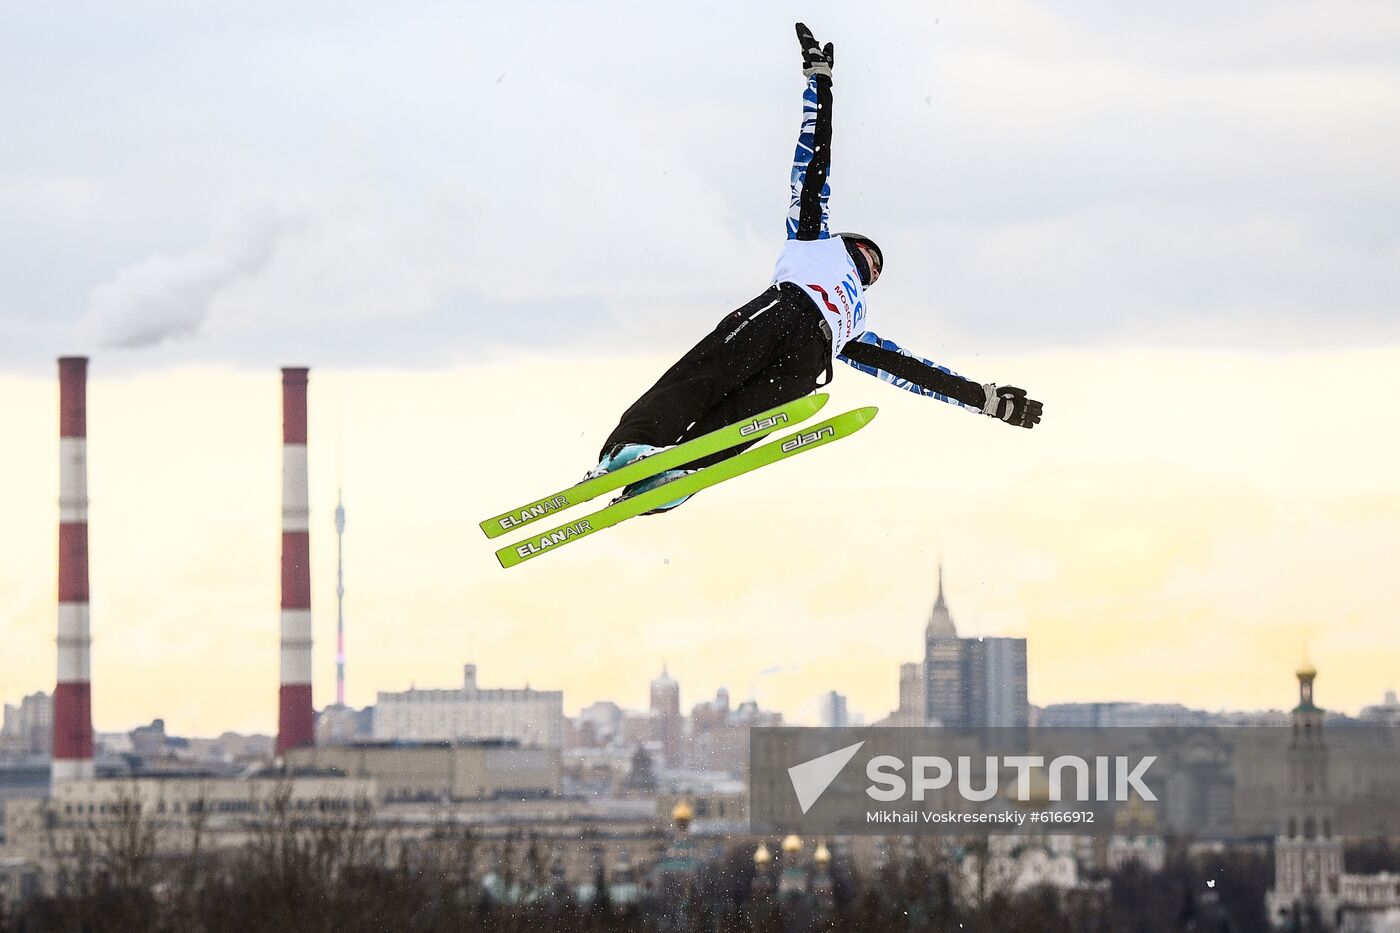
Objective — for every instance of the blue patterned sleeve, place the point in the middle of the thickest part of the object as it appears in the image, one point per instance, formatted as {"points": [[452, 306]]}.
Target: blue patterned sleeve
{"points": [[811, 165], [872, 354]]}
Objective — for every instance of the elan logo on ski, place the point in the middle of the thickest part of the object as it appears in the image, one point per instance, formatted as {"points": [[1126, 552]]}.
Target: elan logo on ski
{"points": [[762, 425], [535, 511], [802, 440], [535, 545]]}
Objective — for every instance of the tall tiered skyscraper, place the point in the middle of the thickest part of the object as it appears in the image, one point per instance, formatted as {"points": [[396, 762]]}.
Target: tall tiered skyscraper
{"points": [[945, 657], [971, 682], [666, 707]]}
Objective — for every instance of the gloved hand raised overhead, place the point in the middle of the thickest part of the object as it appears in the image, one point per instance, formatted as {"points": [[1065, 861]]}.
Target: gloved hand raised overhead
{"points": [[816, 60]]}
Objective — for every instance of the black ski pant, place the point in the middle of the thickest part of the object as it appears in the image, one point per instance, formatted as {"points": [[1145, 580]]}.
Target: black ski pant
{"points": [[772, 350]]}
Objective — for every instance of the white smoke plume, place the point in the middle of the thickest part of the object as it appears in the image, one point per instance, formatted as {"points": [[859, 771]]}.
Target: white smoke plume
{"points": [[167, 298]]}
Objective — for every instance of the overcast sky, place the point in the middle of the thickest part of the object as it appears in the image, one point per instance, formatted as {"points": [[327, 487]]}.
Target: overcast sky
{"points": [[417, 184], [487, 231]]}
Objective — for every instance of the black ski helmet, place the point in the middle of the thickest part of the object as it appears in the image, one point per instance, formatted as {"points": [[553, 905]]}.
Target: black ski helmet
{"points": [[851, 239]]}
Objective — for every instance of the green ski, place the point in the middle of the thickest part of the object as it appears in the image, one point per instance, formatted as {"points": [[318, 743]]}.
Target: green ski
{"points": [[824, 432], [759, 425]]}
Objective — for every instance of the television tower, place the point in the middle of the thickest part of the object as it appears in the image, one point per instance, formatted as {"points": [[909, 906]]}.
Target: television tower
{"points": [[339, 600]]}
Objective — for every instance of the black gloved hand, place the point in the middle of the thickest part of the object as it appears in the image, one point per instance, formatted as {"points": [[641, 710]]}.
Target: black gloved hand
{"points": [[1011, 405], [815, 59]]}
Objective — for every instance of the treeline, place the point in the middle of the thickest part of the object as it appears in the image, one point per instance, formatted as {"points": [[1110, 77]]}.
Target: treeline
{"points": [[347, 874], [312, 881]]}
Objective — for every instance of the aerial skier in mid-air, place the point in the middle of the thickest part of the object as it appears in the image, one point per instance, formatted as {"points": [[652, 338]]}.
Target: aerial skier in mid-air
{"points": [[780, 346], [756, 372]]}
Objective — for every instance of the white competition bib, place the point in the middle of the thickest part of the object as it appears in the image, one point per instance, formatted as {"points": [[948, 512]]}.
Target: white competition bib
{"points": [[824, 270]]}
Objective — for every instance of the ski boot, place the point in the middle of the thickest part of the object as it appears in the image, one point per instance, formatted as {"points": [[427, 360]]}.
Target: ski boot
{"points": [[652, 482], [620, 455]]}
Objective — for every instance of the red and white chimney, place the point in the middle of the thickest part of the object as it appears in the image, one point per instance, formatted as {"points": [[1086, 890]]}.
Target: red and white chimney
{"points": [[295, 720], [72, 697]]}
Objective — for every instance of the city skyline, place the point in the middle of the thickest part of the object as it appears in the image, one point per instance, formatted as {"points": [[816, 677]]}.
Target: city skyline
{"points": [[940, 627], [1384, 708], [711, 740]]}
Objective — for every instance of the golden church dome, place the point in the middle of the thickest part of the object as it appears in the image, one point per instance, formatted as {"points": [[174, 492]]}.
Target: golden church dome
{"points": [[682, 812]]}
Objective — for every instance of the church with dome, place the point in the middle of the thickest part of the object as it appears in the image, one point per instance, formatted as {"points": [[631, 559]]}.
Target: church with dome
{"points": [[1311, 887]]}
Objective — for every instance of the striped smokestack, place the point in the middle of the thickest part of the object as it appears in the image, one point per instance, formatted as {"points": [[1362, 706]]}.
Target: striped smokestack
{"points": [[295, 720], [72, 697]]}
